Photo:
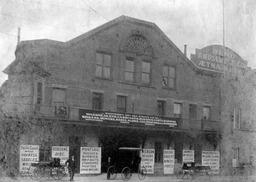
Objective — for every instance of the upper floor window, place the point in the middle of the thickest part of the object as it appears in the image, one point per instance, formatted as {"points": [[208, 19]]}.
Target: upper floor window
{"points": [[193, 111], [168, 76], [103, 65], [177, 109], [97, 101], [39, 93], [206, 113], [58, 95], [237, 118], [121, 103], [145, 74], [161, 107], [129, 70]]}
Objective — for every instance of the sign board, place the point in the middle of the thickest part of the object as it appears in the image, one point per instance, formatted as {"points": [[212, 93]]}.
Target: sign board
{"points": [[61, 152], [217, 58], [148, 160], [90, 160], [28, 154], [125, 118], [188, 156], [212, 159], [169, 160]]}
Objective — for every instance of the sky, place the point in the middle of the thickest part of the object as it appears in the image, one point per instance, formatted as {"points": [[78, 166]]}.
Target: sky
{"points": [[197, 23]]}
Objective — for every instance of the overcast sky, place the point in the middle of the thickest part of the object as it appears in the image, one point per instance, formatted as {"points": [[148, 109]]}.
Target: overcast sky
{"points": [[197, 23]]}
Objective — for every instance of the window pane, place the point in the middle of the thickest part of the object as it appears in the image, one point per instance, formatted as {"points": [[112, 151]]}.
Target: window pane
{"points": [[165, 71], [145, 78], [99, 58], [206, 113], [129, 76], [39, 93], [129, 66], [171, 83], [146, 67], [107, 60], [58, 96], [192, 111], [171, 72], [121, 103], [106, 72], [161, 108], [98, 71], [97, 100]]}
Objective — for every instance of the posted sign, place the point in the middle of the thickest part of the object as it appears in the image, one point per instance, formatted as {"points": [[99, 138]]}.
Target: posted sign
{"points": [[90, 160], [169, 160], [212, 159], [61, 152], [148, 160], [188, 156], [28, 154]]}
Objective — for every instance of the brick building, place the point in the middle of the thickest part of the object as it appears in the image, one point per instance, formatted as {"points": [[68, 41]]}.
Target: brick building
{"points": [[128, 71]]}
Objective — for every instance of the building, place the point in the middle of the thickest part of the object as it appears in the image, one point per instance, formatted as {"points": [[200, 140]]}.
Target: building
{"points": [[122, 84], [238, 105]]}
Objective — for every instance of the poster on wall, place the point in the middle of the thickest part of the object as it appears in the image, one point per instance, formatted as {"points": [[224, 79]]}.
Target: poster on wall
{"points": [[148, 160], [61, 152], [90, 160], [212, 159], [169, 160], [188, 156], [28, 154]]}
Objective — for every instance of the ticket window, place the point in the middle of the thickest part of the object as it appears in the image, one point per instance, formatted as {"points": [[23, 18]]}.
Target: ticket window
{"points": [[158, 152]]}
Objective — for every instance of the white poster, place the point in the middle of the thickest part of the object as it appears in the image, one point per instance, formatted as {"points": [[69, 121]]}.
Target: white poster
{"points": [[212, 159], [90, 160], [28, 154], [61, 152], [188, 156], [169, 160], [148, 160]]}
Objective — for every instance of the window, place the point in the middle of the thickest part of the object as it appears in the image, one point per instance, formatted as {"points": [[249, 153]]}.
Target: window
{"points": [[192, 111], [39, 93], [58, 100], [145, 74], [177, 108], [237, 118], [161, 108], [168, 76], [97, 101], [103, 65], [129, 70], [158, 152], [121, 103], [206, 113]]}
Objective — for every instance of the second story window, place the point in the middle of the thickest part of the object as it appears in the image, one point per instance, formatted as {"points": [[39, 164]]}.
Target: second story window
{"points": [[39, 93], [177, 109], [161, 108], [168, 79], [192, 111], [121, 104], [237, 118], [103, 65], [206, 113], [129, 70], [145, 74], [97, 101]]}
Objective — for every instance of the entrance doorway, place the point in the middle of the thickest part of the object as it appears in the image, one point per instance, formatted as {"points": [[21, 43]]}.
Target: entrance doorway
{"points": [[74, 149], [112, 139]]}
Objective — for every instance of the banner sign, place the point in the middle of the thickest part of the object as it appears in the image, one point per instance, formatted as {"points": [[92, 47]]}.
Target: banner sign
{"points": [[61, 152], [188, 156], [217, 58], [101, 116], [148, 160], [28, 154], [169, 160], [212, 159], [90, 160]]}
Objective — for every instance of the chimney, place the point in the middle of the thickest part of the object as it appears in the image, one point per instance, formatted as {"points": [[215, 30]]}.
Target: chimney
{"points": [[18, 41], [185, 50]]}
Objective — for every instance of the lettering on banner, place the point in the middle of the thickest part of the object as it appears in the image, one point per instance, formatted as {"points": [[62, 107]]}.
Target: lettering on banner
{"points": [[90, 160], [28, 154], [61, 152], [188, 156], [169, 160], [212, 159], [148, 160]]}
